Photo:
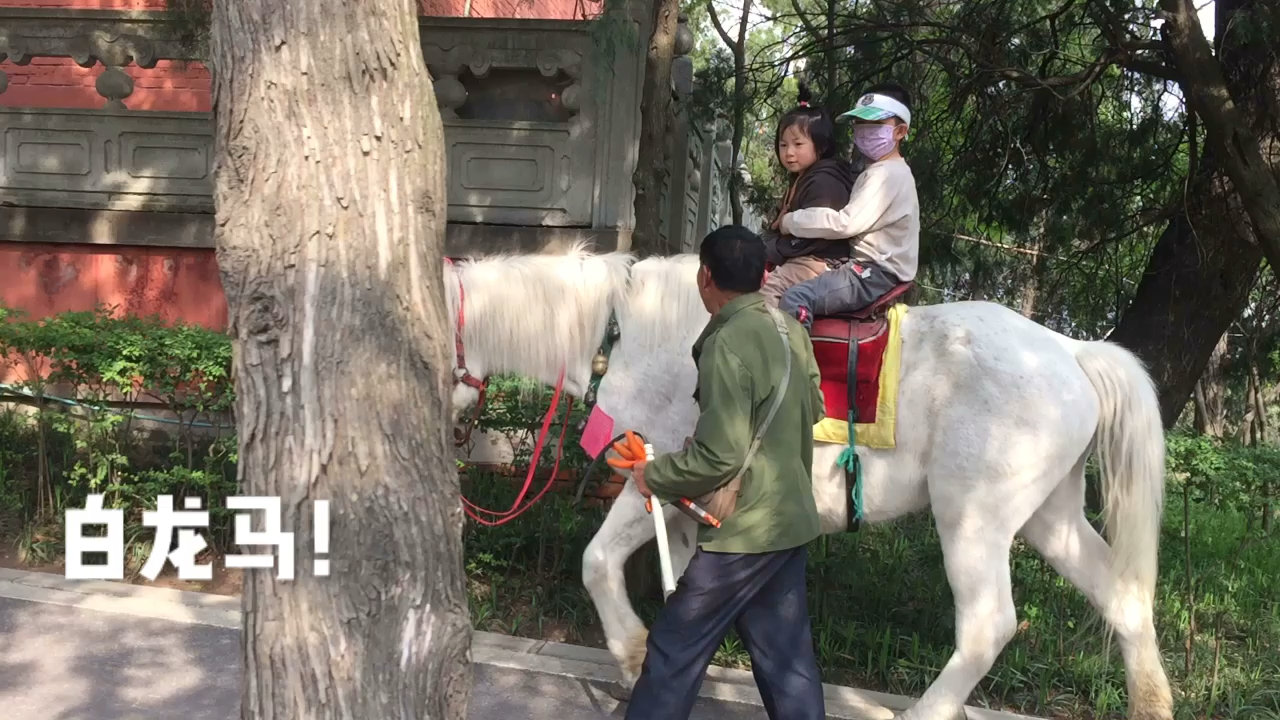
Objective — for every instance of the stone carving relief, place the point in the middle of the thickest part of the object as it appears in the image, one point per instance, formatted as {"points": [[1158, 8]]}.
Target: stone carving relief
{"points": [[447, 66], [519, 122], [114, 46], [116, 161]]}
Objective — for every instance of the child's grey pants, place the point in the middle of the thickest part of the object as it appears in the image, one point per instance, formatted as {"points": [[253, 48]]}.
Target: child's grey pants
{"points": [[846, 289]]}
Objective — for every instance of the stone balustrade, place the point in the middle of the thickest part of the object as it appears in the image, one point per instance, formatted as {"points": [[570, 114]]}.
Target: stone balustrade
{"points": [[114, 39], [541, 139]]}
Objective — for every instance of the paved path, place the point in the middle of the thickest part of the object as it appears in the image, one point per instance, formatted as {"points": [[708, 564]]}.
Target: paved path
{"points": [[94, 650], [65, 663]]}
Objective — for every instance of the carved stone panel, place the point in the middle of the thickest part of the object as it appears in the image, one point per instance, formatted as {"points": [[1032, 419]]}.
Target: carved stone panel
{"points": [[521, 120], [507, 176], [106, 160]]}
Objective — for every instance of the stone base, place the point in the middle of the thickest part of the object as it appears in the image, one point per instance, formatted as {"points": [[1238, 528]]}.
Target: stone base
{"points": [[195, 230]]}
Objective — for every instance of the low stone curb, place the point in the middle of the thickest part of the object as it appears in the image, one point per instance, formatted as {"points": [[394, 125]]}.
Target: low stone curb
{"points": [[538, 656]]}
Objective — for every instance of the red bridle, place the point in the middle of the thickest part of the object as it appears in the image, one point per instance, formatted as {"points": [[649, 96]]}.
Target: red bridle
{"points": [[463, 375], [460, 373]]}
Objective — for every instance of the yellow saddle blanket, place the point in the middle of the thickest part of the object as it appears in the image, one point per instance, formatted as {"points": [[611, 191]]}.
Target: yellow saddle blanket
{"points": [[882, 432]]}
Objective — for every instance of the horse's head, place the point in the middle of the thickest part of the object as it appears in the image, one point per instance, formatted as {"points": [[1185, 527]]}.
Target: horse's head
{"points": [[466, 399]]}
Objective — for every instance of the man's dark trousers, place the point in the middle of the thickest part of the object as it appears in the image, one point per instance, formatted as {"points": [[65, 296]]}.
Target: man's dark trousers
{"points": [[763, 597]]}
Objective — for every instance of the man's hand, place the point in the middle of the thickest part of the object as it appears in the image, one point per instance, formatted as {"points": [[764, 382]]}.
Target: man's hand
{"points": [[637, 474]]}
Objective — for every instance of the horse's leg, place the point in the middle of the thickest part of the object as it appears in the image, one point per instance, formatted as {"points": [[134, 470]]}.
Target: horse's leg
{"points": [[626, 528], [976, 556], [1060, 532], [979, 504]]}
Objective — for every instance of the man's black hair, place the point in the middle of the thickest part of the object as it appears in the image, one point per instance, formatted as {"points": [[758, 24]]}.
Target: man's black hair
{"points": [[893, 90], [735, 257]]}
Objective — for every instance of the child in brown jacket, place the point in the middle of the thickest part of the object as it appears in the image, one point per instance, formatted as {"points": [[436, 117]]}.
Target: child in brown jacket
{"points": [[806, 148]]}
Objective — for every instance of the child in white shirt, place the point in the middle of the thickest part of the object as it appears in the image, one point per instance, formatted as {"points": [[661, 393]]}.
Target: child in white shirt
{"points": [[881, 220]]}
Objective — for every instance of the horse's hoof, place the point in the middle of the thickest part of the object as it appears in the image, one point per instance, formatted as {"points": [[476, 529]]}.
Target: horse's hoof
{"points": [[619, 691]]}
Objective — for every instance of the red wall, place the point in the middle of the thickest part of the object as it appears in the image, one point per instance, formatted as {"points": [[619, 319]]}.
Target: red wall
{"points": [[176, 283], [185, 87], [45, 279]]}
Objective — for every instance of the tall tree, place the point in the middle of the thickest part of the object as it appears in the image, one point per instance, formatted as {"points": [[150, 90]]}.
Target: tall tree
{"points": [[330, 209], [1202, 269], [653, 156]]}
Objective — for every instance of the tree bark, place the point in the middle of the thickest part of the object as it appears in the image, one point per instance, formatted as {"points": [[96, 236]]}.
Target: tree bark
{"points": [[653, 155], [1227, 126], [330, 213], [1195, 285], [1211, 393], [1259, 402], [1202, 268]]}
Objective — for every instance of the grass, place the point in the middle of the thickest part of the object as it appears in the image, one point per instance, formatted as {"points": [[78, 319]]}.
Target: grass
{"points": [[882, 610], [883, 613]]}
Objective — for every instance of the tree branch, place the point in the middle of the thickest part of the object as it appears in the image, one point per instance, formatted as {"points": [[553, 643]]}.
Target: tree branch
{"points": [[804, 20], [1205, 87], [715, 20]]}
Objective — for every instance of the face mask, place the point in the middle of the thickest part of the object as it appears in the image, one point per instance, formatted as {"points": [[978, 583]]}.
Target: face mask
{"points": [[874, 141]]}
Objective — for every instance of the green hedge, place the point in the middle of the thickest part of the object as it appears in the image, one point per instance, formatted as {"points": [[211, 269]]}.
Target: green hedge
{"points": [[74, 428]]}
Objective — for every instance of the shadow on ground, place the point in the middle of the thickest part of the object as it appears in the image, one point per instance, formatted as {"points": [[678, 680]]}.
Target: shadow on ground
{"points": [[63, 663]]}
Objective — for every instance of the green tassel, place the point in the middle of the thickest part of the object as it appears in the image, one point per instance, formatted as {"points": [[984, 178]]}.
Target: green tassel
{"points": [[851, 463], [849, 459]]}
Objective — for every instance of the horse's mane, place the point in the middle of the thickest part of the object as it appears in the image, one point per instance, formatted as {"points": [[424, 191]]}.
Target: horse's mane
{"points": [[663, 306], [529, 314], [515, 303]]}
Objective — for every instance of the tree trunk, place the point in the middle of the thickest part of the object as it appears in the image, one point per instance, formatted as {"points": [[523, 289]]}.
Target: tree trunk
{"points": [[1211, 393], [739, 49], [829, 56], [653, 155], [1227, 127], [1200, 272], [330, 205], [1195, 285], [1259, 403]]}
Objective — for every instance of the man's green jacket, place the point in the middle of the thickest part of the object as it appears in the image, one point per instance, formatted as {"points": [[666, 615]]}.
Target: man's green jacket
{"points": [[740, 365]]}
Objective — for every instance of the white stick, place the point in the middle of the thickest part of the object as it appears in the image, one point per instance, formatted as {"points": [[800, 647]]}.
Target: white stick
{"points": [[660, 526]]}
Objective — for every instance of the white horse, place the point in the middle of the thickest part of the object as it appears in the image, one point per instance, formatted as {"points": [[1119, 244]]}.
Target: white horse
{"points": [[997, 416]]}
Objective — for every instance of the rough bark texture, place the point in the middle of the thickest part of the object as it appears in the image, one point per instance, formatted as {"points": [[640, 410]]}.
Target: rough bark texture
{"points": [[653, 155], [330, 214], [1227, 127], [1199, 275]]}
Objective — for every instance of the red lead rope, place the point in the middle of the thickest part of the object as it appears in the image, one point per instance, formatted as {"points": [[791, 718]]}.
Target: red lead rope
{"points": [[515, 511]]}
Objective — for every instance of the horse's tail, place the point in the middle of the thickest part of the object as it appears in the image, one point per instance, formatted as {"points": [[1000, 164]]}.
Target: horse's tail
{"points": [[1130, 448]]}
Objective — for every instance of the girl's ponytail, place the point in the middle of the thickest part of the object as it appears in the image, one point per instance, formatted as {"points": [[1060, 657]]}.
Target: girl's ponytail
{"points": [[815, 122]]}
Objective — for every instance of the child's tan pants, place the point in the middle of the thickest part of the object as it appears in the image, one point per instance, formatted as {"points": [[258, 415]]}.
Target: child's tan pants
{"points": [[791, 272]]}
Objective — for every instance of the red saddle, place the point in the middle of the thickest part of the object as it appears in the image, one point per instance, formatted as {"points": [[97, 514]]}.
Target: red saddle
{"points": [[867, 331]]}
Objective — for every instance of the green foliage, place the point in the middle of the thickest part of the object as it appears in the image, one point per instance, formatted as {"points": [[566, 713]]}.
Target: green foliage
{"points": [[1222, 474], [75, 430], [613, 35], [189, 21], [516, 408]]}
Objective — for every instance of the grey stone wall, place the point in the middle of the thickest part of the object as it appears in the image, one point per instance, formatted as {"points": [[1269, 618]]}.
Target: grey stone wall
{"points": [[541, 140]]}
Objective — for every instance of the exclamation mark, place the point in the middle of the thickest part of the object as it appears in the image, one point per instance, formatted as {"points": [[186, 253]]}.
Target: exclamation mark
{"points": [[322, 537]]}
